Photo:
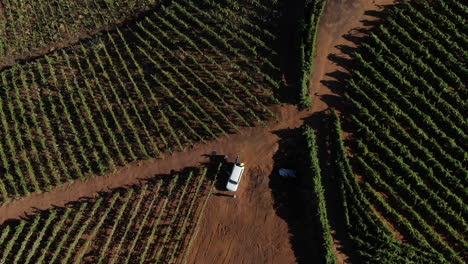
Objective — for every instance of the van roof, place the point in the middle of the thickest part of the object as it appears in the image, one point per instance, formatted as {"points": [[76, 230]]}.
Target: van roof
{"points": [[236, 173]]}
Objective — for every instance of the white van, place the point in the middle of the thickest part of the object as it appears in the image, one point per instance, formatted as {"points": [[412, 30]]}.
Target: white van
{"points": [[236, 176]]}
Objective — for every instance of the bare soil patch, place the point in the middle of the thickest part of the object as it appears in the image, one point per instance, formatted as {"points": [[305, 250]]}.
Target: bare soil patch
{"points": [[244, 229]]}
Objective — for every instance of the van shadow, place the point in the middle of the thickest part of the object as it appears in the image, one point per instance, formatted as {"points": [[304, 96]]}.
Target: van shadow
{"points": [[222, 177]]}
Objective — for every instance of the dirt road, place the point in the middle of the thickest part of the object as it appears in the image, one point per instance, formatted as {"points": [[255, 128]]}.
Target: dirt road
{"points": [[256, 141], [247, 229], [341, 17]]}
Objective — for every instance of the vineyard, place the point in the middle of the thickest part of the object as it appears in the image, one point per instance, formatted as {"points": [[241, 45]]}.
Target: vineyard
{"points": [[151, 222], [157, 94], [31, 26], [316, 194], [403, 191], [140, 91]]}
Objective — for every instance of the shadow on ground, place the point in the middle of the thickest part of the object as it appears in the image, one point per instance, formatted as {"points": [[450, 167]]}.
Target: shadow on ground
{"points": [[289, 193]]}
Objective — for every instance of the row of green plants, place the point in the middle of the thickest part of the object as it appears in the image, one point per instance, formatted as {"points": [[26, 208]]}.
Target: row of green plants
{"points": [[362, 209], [151, 222], [35, 25], [402, 177], [310, 12], [132, 94], [313, 176]]}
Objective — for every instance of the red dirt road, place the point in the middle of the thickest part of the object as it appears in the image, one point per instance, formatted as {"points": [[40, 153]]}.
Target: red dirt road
{"points": [[256, 140], [341, 17], [247, 229]]}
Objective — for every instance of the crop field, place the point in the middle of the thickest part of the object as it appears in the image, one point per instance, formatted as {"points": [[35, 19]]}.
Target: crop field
{"points": [[144, 90], [151, 222], [120, 122], [406, 104], [29, 26]]}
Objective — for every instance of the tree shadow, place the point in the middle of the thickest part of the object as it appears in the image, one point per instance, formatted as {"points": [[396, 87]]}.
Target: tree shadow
{"points": [[287, 56], [323, 125], [375, 13], [288, 203], [333, 101], [289, 194]]}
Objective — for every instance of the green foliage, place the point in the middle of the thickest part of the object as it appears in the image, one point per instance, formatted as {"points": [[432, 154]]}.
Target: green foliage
{"points": [[370, 237], [32, 26], [313, 173], [132, 94], [305, 40], [73, 234], [406, 108]]}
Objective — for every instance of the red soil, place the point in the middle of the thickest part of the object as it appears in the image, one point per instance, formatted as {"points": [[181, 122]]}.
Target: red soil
{"points": [[341, 17], [252, 141], [246, 229]]}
